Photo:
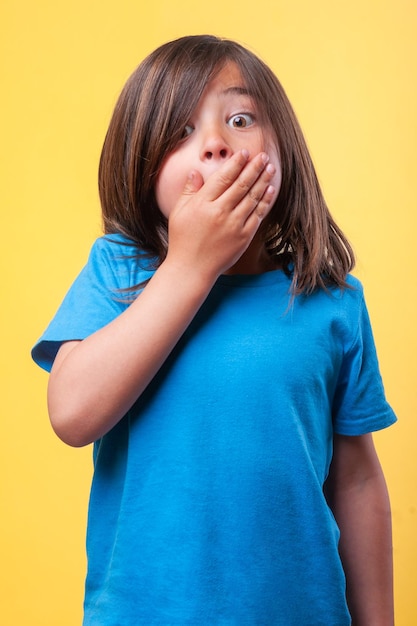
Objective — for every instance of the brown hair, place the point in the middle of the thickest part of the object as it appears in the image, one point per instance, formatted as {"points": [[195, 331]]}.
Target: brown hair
{"points": [[148, 122]]}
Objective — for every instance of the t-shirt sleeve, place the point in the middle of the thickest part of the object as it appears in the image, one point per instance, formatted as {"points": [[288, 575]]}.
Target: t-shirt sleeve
{"points": [[93, 300], [360, 405]]}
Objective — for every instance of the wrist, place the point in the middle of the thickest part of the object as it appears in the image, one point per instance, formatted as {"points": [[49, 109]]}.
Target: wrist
{"points": [[194, 275]]}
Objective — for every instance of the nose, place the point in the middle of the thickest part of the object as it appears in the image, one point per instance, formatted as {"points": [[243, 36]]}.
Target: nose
{"points": [[215, 146]]}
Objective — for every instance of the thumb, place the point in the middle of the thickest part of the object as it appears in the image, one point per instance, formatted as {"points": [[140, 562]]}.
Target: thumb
{"points": [[193, 183]]}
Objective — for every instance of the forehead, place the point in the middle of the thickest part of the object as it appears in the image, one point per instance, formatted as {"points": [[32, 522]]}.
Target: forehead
{"points": [[228, 80]]}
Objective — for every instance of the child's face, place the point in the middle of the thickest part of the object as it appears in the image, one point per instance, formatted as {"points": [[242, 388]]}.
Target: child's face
{"points": [[224, 121]]}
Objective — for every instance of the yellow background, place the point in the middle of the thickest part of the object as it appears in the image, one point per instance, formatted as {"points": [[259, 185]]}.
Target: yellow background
{"points": [[350, 70]]}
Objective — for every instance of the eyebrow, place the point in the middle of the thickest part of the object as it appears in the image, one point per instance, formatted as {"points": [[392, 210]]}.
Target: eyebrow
{"points": [[240, 91]]}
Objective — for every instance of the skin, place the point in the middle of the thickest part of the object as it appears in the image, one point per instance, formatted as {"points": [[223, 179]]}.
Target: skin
{"points": [[358, 496], [215, 189], [224, 122]]}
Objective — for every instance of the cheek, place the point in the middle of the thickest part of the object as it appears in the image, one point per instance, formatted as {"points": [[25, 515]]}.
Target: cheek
{"points": [[276, 181], [269, 144], [277, 178], [169, 186]]}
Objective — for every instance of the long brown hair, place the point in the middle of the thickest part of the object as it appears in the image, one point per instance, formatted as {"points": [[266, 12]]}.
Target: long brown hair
{"points": [[147, 124]]}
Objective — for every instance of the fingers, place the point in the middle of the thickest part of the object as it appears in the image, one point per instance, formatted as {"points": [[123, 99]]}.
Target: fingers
{"points": [[253, 191], [238, 172], [239, 183], [214, 221], [263, 205], [239, 189], [193, 183], [243, 186]]}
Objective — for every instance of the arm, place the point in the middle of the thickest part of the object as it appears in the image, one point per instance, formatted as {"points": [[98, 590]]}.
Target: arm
{"points": [[357, 493], [93, 383]]}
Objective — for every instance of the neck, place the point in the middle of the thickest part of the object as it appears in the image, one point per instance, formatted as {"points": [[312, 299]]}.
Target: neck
{"points": [[254, 261]]}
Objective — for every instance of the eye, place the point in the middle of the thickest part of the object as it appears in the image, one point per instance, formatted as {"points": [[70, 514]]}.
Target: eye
{"points": [[188, 129], [242, 120]]}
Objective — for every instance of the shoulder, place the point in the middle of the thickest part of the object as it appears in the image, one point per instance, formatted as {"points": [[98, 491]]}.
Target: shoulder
{"points": [[97, 295], [352, 296], [351, 308], [340, 301], [354, 285], [117, 262], [112, 248], [339, 310], [348, 300]]}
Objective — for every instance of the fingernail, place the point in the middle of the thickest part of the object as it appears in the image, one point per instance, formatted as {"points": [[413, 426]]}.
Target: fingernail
{"points": [[265, 158], [245, 153], [270, 168]]}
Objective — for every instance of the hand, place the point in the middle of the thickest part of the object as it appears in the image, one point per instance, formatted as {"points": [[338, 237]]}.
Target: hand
{"points": [[214, 222]]}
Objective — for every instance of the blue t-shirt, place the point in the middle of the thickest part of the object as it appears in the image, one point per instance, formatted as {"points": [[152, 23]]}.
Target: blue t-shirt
{"points": [[207, 503]]}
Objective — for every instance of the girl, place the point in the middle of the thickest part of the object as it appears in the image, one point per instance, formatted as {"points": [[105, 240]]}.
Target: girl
{"points": [[220, 357]]}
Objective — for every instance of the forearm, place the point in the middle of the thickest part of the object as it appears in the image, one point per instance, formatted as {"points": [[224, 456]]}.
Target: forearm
{"points": [[366, 552], [94, 382], [360, 503], [97, 380]]}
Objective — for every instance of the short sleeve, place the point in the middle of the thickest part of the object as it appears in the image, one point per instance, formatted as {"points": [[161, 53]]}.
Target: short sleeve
{"points": [[360, 405], [95, 298]]}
